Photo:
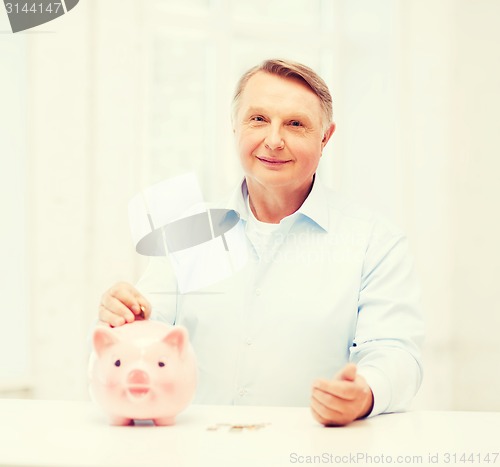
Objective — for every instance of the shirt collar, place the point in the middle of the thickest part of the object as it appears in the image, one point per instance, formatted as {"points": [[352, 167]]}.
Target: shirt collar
{"points": [[237, 200], [315, 207]]}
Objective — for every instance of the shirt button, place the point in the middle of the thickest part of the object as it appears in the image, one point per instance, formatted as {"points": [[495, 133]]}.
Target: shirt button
{"points": [[242, 392], [248, 342], [258, 291]]}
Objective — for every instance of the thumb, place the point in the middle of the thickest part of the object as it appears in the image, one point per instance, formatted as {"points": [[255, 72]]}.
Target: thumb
{"points": [[348, 373]]}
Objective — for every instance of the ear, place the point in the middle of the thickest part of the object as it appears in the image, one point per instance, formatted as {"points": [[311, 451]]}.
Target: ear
{"points": [[177, 337], [327, 134], [102, 339]]}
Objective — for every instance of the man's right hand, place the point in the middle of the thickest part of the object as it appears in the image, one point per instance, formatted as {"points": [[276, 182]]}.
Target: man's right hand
{"points": [[121, 304]]}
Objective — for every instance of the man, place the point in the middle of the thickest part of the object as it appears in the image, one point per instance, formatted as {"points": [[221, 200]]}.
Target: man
{"points": [[326, 310]]}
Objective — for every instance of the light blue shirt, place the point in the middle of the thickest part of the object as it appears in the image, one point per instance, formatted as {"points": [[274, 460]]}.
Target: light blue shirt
{"points": [[331, 284]]}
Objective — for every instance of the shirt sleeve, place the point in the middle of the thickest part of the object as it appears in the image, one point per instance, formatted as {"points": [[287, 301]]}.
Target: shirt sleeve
{"points": [[159, 285], [390, 328]]}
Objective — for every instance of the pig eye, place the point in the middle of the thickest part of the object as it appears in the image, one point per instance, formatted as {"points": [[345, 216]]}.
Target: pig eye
{"points": [[161, 364], [118, 363]]}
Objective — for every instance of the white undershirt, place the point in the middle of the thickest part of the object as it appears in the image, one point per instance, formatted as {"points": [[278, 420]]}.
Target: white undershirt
{"points": [[266, 237]]}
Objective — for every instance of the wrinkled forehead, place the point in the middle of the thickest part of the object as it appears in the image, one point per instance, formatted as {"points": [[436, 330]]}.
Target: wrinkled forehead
{"points": [[266, 89], [263, 81]]}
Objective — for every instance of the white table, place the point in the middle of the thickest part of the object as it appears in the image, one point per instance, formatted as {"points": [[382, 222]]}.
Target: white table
{"points": [[57, 433]]}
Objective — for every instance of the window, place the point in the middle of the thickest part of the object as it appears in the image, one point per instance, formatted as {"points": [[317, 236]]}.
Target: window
{"points": [[198, 49]]}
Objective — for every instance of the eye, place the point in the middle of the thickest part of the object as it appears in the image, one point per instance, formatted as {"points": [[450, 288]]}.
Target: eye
{"points": [[257, 118], [118, 363], [295, 123], [161, 364]]}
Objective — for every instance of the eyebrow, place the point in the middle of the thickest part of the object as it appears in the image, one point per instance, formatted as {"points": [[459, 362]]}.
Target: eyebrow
{"points": [[290, 115]]}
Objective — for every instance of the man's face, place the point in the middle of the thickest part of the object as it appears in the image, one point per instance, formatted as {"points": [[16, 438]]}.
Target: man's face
{"points": [[279, 132]]}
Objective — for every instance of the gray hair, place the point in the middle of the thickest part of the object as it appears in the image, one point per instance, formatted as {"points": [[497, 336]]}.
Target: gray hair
{"points": [[289, 70]]}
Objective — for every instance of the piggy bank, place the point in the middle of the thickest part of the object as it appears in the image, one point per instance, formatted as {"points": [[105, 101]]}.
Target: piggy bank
{"points": [[144, 370]]}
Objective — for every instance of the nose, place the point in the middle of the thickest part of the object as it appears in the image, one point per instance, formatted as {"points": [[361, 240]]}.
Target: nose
{"points": [[138, 377], [274, 139]]}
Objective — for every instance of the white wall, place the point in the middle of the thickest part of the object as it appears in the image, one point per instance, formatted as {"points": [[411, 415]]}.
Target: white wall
{"points": [[415, 88], [474, 170], [14, 268]]}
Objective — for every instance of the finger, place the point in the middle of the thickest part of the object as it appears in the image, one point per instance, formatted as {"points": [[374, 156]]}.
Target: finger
{"points": [[108, 317], [117, 307], [317, 416], [103, 323], [348, 373], [144, 308], [328, 417], [137, 303], [324, 404], [336, 411], [126, 294], [346, 390], [328, 400]]}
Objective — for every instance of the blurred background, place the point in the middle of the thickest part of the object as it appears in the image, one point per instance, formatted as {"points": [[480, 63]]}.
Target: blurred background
{"points": [[119, 94]]}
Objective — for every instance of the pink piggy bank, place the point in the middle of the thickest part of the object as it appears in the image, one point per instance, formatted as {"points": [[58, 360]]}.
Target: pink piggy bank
{"points": [[145, 370]]}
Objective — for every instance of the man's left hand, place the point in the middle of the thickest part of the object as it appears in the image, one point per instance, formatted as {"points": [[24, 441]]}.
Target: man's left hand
{"points": [[343, 399]]}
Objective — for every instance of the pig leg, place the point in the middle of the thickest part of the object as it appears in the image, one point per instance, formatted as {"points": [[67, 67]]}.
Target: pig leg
{"points": [[121, 421], [164, 421]]}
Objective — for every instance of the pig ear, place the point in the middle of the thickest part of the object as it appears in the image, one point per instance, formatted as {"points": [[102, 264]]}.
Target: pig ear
{"points": [[102, 339], [176, 337]]}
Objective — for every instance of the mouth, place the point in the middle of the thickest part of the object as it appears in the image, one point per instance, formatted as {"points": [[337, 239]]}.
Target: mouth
{"points": [[272, 162], [138, 391]]}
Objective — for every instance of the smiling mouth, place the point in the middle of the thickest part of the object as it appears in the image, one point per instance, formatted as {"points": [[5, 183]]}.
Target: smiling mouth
{"points": [[138, 391], [275, 162]]}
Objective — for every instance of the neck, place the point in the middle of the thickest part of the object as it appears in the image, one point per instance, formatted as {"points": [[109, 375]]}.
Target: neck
{"points": [[271, 205]]}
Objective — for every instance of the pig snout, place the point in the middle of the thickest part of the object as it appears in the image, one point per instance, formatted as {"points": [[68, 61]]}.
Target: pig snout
{"points": [[138, 383], [138, 377]]}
